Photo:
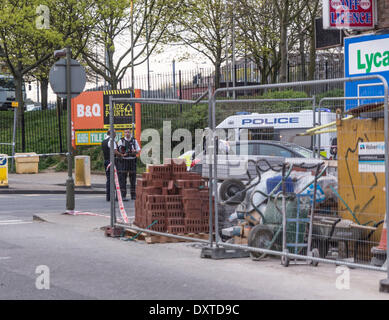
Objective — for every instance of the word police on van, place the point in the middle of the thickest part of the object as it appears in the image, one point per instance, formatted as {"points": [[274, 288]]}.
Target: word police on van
{"points": [[270, 120]]}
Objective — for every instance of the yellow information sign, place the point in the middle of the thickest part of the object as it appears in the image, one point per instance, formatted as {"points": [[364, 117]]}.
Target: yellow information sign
{"points": [[15, 104]]}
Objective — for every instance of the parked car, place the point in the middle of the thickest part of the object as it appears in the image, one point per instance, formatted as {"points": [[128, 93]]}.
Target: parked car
{"points": [[272, 150], [33, 107]]}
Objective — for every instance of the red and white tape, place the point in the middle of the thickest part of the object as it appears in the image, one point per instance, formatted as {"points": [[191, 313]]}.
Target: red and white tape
{"points": [[86, 213], [119, 195], [83, 213], [120, 201]]}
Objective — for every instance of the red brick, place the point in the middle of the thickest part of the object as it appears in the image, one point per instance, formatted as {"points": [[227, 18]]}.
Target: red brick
{"points": [[141, 182], [176, 229], [175, 222], [155, 199], [194, 229], [175, 214], [151, 191], [192, 222], [154, 206], [193, 214], [173, 206], [173, 198], [192, 204], [190, 193], [204, 194]]}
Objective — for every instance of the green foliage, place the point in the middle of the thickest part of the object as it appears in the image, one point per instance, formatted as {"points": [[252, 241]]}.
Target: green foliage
{"points": [[196, 117], [62, 166], [96, 156], [285, 106], [49, 162], [331, 93]]}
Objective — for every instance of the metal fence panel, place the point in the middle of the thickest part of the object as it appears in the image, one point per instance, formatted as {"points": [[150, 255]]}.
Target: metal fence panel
{"points": [[344, 229]]}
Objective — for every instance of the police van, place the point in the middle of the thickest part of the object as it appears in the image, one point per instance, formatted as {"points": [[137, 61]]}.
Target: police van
{"points": [[283, 127]]}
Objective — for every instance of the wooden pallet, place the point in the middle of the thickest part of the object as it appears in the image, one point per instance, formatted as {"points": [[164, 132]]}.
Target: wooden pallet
{"points": [[150, 239]]}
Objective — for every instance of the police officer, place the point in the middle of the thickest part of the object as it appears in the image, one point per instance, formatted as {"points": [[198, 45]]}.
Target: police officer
{"points": [[130, 147], [105, 145]]}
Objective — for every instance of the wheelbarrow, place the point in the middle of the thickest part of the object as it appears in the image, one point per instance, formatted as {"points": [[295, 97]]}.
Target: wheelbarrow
{"points": [[348, 231], [330, 232]]}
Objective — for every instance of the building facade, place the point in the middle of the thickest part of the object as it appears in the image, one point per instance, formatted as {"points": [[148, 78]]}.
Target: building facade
{"points": [[383, 14]]}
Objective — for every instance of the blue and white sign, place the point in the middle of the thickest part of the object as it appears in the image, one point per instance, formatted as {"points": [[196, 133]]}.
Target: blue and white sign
{"points": [[371, 156], [365, 55]]}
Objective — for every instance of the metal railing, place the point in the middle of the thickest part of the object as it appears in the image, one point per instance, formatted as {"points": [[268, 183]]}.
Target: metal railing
{"points": [[213, 175], [213, 183]]}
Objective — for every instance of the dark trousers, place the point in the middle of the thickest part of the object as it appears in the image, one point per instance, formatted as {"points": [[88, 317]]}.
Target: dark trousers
{"points": [[128, 170], [108, 183]]}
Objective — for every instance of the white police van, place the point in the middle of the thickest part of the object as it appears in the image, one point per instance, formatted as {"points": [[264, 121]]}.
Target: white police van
{"points": [[280, 127]]}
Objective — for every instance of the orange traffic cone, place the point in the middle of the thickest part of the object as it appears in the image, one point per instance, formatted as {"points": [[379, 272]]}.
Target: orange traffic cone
{"points": [[379, 253]]}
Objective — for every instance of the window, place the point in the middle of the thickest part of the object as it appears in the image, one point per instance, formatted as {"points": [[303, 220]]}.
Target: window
{"points": [[273, 150], [7, 83], [250, 149], [262, 134]]}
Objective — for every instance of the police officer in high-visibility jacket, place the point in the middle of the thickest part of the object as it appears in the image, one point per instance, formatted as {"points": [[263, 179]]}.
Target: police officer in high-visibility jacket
{"points": [[130, 147]]}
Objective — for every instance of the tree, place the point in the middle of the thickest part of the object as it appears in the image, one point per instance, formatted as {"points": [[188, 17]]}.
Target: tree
{"points": [[258, 34], [114, 22], [313, 8], [72, 20], [18, 37], [30, 31], [203, 25], [287, 11]]}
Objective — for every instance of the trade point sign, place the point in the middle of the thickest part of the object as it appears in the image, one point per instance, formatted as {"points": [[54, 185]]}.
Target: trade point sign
{"points": [[349, 14], [366, 55]]}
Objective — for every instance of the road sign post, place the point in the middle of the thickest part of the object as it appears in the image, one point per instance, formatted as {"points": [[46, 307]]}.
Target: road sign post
{"points": [[75, 79], [69, 182]]}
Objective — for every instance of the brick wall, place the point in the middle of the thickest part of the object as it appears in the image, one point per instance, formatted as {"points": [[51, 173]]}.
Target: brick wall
{"points": [[383, 13]]}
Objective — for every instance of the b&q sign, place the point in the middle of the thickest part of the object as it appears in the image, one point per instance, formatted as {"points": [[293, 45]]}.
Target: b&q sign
{"points": [[90, 115], [349, 14]]}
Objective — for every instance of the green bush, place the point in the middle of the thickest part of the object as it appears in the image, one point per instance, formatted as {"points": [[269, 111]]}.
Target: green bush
{"points": [[62, 166]]}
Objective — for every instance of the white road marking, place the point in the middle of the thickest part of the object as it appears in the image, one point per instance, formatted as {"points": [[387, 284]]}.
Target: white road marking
{"points": [[13, 222], [5, 258]]}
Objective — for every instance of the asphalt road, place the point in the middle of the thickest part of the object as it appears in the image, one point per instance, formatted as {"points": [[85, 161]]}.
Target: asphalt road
{"points": [[83, 264], [26, 205]]}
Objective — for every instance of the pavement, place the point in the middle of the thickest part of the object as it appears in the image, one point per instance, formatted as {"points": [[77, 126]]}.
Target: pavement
{"points": [[50, 182]]}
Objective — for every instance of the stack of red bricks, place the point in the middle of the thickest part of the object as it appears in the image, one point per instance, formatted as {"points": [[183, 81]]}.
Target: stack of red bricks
{"points": [[176, 199]]}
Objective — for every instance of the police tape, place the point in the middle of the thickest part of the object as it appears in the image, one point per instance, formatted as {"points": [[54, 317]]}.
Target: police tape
{"points": [[36, 155], [120, 200], [87, 213], [119, 195]]}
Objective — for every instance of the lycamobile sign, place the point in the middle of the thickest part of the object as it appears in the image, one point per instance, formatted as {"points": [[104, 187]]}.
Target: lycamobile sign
{"points": [[366, 55]]}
